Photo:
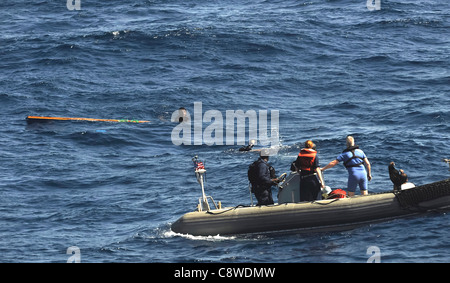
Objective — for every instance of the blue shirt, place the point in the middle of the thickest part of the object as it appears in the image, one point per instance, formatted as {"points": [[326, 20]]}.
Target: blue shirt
{"points": [[345, 156]]}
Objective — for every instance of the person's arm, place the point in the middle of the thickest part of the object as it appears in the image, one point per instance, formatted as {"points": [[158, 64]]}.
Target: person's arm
{"points": [[394, 175], [297, 165], [320, 175], [369, 169], [330, 165]]}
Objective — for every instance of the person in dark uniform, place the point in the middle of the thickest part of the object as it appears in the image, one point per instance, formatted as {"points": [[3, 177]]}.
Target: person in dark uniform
{"points": [[311, 179], [399, 178], [262, 178]]}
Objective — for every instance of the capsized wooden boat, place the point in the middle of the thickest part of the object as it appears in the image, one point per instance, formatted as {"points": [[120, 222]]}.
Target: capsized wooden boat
{"points": [[31, 119], [321, 215]]}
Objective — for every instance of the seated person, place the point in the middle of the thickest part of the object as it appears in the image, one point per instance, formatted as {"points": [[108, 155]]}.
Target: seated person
{"points": [[399, 178]]}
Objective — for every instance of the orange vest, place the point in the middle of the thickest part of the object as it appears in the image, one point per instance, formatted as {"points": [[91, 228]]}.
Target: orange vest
{"points": [[306, 159]]}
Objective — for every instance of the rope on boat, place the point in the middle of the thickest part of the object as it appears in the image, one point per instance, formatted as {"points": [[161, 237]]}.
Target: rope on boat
{"points": [[229, 209]]}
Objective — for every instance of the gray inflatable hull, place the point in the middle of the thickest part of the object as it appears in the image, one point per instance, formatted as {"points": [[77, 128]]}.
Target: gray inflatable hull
{"points": [[323, 215]]}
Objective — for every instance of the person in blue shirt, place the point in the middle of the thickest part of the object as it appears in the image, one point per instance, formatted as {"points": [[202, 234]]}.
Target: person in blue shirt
{"points": [[358, 167]]}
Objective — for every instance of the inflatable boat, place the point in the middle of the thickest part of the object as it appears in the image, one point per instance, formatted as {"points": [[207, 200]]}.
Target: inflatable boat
{"points": [[315, 216]]}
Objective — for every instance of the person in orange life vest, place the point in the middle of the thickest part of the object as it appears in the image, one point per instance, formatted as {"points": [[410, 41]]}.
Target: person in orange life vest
{"points": [[311, 179], [354, 160]]}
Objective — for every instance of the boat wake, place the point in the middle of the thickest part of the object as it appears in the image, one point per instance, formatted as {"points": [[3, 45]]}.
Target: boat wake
{"points": [[216, 238]]}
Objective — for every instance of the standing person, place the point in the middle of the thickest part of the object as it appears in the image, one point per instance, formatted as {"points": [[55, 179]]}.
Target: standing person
{"points": [[261, 180], [311, 179], [354, 160]]}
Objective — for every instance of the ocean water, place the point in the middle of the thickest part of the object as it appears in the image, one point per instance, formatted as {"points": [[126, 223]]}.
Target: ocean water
{"points": [[331, 68]]}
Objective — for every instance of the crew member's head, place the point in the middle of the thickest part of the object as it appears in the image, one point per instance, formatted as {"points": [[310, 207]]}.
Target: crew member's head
{"points": [[403, 177], [264, 153], [350, 141], [310, 144]]}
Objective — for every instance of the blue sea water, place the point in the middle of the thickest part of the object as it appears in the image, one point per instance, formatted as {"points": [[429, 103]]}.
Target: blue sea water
{"points": [[331, 68]]}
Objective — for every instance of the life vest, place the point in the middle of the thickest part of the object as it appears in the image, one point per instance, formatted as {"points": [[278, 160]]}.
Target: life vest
{"points": [[354, 156], [306, 159], [337, 193]]}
